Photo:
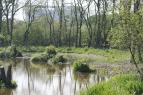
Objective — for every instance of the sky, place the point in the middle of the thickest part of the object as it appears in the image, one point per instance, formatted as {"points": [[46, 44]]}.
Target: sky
{"points": [[20, 14]]}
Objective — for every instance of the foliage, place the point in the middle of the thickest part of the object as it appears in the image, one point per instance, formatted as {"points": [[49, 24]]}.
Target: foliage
{"points": [[112, 55], [118, 85], [51, 50], [81, 66], [32, 48], [10, 51], [13, 82], [58, 58], [126, 30], [4, 84], [41, 57]]}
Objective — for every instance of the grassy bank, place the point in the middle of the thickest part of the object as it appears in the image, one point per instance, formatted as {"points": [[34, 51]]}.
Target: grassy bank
{"points": [[118, 85], [111, 55]]}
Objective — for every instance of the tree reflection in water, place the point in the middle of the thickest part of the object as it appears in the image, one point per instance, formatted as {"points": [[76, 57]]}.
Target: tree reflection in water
{"points": [[49, 79]]}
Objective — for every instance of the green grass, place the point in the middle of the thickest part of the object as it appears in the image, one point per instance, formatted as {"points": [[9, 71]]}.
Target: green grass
{"points": [[32, 48], [111, 55], [126, 84]]}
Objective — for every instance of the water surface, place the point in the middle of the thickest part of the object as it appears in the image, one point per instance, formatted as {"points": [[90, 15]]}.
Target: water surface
{"points": [[46, 79]]}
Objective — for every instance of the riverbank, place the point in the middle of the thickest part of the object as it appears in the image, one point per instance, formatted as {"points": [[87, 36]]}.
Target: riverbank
{"points": [[111, 60], [120, 67], [97, 61], [111, 55]]}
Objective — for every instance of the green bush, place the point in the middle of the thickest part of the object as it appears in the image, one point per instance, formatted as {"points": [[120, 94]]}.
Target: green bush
{"points": [[41, 57], [13, 82], [58, 58], [81, 66], [10, 51], [51, 50]]}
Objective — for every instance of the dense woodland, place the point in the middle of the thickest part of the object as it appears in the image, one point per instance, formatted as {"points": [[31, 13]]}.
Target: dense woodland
{"points": [[88, 24]]}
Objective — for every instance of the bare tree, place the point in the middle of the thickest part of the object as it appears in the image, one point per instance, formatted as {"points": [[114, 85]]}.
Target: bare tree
{"points": [[50, 14], [76, 20], [60, 9], [10, 7], [88, 23], [71, 25], [30, 9]]}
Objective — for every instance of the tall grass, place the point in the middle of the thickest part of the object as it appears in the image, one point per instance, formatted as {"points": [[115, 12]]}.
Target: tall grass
{"points": [[118, 85]]}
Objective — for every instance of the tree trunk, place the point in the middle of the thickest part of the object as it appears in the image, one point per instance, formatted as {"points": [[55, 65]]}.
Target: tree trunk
{"points": [[98, 35], [134, 61], [139, 53], [133, 51], [136, 9], [25, 41], [3, 76], [1, 15], [77, 24], [9, 75]]}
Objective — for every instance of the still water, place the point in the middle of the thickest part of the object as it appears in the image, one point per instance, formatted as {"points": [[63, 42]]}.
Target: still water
{"points": [[46, 79]]}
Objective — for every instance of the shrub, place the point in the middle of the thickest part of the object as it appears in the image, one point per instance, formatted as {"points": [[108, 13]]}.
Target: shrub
{"points": [[51, 50], [81, 66], [41, 57], [58, 58], [10, 51], [14, 84]]}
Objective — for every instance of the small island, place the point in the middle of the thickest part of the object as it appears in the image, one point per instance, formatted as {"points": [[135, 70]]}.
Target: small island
{"points": [[48, 56]]}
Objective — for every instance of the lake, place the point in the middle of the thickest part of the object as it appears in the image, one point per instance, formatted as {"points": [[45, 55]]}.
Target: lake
{"points": [[45, 79]]}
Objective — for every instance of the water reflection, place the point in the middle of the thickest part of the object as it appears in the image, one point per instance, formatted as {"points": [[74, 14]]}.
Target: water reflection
{"points": [[48, 79]]}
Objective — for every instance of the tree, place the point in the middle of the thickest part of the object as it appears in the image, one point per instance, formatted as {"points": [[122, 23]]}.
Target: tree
{"points": [[60, 9], [10, 7], [128, 31], [50, 19], [1, 14], [31, 8]]}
